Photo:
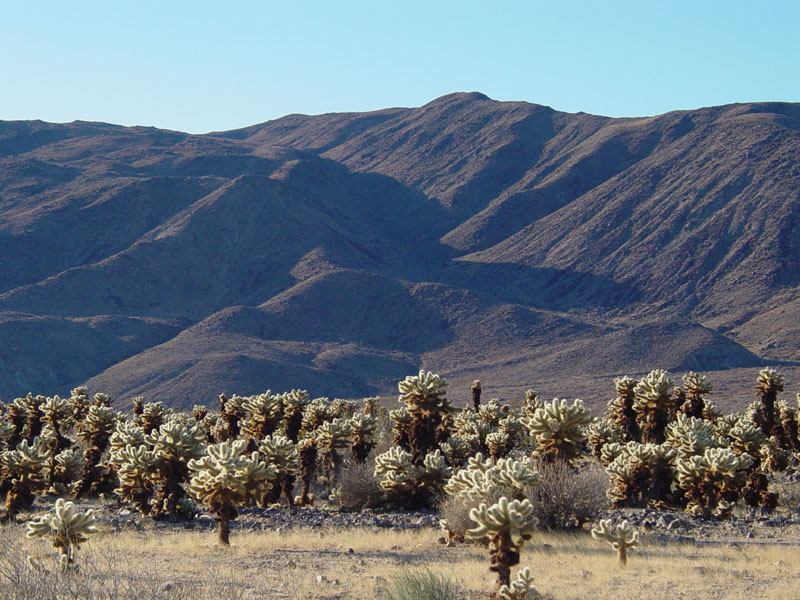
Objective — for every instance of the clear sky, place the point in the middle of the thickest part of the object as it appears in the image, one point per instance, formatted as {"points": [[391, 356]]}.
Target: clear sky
{"points": [[202, 66]]}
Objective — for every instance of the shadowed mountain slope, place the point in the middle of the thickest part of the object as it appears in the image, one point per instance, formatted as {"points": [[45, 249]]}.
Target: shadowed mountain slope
{"points": [[500, 240]]}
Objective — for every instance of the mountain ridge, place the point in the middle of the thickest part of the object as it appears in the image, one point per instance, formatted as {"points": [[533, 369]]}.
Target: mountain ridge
{"points": [[508, 224]]}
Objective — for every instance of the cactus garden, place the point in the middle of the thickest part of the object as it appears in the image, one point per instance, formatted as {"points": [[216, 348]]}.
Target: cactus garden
{"points": [[281, 495]]}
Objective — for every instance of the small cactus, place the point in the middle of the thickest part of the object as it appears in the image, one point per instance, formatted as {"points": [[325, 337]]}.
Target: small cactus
{"points": [[66, 528], [621, 537], [508, 525], [521, 588]]}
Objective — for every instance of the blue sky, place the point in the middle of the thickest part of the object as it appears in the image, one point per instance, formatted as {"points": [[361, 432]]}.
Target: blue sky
{"points": [[204, 66]]}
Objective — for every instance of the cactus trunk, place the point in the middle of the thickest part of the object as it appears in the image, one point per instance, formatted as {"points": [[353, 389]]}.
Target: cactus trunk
{"points": [[223, 532]]}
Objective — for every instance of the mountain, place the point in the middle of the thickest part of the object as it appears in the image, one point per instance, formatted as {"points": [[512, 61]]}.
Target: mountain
{"points": [[504, 241]]}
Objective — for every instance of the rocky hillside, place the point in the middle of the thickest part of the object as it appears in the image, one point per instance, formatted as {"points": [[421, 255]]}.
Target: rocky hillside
{"points": [[504, 241]]}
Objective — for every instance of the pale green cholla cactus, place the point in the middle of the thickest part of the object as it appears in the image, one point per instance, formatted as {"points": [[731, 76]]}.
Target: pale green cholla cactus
{"points": [[66, 527], [508, 525], [713, 481], [408, 483], [654, 405], [691, 436], [559, 430], [280, 452], [521, 588], [621, 537], [225, 477], [174, 445]]}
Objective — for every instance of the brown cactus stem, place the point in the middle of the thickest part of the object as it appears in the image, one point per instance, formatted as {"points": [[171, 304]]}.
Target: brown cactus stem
{"points": [[422, 436], [476, 394], [401, 436], [622, 553], [694, 406], [138, 408], [308, 461], [293, 424], [361, 451], [17, 418], [790, 430], [503, 555], [654, 430], [33, 426], [627, 419], [767, 409], [287, 484], [199, 413]]}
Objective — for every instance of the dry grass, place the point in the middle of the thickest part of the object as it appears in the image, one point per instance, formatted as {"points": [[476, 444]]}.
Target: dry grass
{"points": [[327, 564]]}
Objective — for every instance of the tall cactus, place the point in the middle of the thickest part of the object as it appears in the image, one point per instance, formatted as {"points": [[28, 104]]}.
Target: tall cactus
{"points": [[559, 430], [224, 478], [425, 398], [654, 405]]}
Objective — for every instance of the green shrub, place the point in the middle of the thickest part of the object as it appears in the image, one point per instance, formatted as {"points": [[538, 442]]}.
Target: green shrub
{"points": [[421, 585]]}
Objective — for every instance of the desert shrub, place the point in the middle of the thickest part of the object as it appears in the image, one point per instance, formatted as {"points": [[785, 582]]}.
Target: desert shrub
{"points": [[567, 497], [357, 487], [454, 511], [421, 585], [105, 574]]}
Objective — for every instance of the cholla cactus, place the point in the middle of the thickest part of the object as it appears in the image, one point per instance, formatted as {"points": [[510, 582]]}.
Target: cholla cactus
{"points": [[224, 478], [409, 484], [7, 431], [24, 467], [280, 452], [602, 432], [491, 412], [230, 412], [56, 412], [475, 389], [316, 412], [746, 438], [101, 399], [621, 537], [621, 411], [294, 403], [79, 399], [66, 528], [558, 430], [469, 427], [521, 588], [66, 471], [640, 474], [708, 480], [696, 387], [770, 382], [331, 436], [135, 468], [508, 525], [401, 428], [481, 477], [152, 416], [95, 431], [30, 405], [362, 431], [307, 451], [691, 436], [265, 412], [174, 445], [654, 405], [199, 412], [425, 398]]}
